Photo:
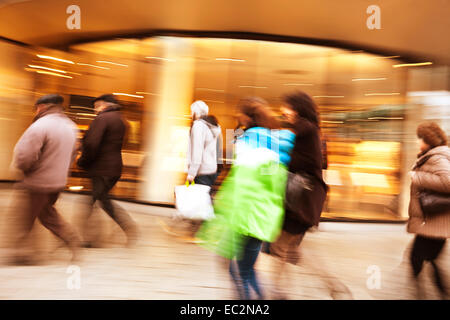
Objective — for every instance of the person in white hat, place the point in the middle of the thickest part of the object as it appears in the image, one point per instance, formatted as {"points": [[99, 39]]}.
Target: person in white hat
{"points": [[203, 150], [204, 145]]}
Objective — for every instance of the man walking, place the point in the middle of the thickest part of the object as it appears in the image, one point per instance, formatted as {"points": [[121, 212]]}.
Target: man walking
{"points": [[44, 154], [102, 159]]}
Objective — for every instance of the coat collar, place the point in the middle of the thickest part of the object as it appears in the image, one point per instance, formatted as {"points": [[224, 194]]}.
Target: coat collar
{"points": [[114, 107], [50, 110], [423, 157]]}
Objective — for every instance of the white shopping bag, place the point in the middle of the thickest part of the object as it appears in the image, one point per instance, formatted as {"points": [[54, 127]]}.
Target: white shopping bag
{"points": [[194, 202]]}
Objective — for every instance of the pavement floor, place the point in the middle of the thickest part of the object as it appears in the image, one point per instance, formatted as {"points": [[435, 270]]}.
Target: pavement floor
{"points": [[362, 261]]}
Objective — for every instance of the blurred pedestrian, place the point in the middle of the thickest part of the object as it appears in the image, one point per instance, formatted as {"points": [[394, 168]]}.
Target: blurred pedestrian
{"points": [[44, 154], [102, 158], [204, 149], [249, 203], [307, 160], [204, 145], [430, 183]]}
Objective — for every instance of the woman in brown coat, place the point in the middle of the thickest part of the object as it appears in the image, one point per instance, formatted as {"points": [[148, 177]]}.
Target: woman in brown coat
{"points": [[431, 173]]}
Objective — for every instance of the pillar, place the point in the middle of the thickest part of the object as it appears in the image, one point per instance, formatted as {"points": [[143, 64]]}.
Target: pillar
{"points": [[167, 123]]}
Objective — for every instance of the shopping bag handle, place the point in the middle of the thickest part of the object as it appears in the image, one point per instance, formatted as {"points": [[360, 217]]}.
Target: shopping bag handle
{"points": [[187, 183]]}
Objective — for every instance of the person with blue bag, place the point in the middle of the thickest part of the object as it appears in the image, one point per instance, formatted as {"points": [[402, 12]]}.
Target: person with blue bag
{"points": [[249, 204]]}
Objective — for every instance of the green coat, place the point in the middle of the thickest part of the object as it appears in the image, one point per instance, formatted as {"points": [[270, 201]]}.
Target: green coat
{"points": [[250, 202]]}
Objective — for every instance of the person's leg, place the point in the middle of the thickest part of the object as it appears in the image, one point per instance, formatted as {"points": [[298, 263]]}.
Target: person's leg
{"points": [[288, 248], [436, 247], [281, 276], [97, 188], [116, 212], [443, 291], [337, 289], [416, 259], [284, 250], [53, 221], [228, 267], [236, 279], [36, 202], [246, 267], [417, 255]]}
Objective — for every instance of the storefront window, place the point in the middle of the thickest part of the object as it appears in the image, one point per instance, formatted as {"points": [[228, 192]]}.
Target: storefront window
{"points": [[362, 99]]}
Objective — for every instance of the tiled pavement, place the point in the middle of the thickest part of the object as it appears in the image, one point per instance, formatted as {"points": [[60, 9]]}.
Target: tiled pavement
{"points": [[165, 267]]}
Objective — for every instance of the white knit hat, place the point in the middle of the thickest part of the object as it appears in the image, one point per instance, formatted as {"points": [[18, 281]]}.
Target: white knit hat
{"points": [[199, 108]]}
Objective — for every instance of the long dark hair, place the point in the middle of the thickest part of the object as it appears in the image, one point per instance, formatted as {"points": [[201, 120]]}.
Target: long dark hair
{"points": [[211, 119], [208, 118], [257, 111], [303, 105]]}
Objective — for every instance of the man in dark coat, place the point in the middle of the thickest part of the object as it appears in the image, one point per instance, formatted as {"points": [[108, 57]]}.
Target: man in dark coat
{"points": [[102, 159]]}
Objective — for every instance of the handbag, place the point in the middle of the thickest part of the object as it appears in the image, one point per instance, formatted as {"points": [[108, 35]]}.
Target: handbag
{"points": [[298, 189], [194, 202], [434, 203]]}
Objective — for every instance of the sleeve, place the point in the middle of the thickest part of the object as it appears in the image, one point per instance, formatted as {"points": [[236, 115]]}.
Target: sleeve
{"points": [[76, 146], [197, 145], [438, 180], [28, 149], [220, 149], [91, 142], [220, 160]]}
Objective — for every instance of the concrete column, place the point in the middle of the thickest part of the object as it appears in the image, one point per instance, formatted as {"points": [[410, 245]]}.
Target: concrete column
{"points": [[16, 103], [167, 125]]}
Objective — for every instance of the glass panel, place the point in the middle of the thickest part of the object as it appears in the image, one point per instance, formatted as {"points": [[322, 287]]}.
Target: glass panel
{"points": [[362, 99]]}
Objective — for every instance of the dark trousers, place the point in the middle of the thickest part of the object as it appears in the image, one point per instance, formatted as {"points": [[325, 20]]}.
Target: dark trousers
{"points": [[427, 249], [101, 186], [41, 206], [246, 269]]}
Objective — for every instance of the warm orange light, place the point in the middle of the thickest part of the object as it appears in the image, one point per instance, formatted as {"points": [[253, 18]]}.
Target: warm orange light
{"points": [[45, 68], [412, 64], [53, 58]]}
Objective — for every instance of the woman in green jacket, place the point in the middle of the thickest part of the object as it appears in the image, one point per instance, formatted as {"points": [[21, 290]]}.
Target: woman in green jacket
{"points": [[249, 205]]}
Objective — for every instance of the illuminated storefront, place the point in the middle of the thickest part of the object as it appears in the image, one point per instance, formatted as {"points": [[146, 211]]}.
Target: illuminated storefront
{"points": [[363, 99]]}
